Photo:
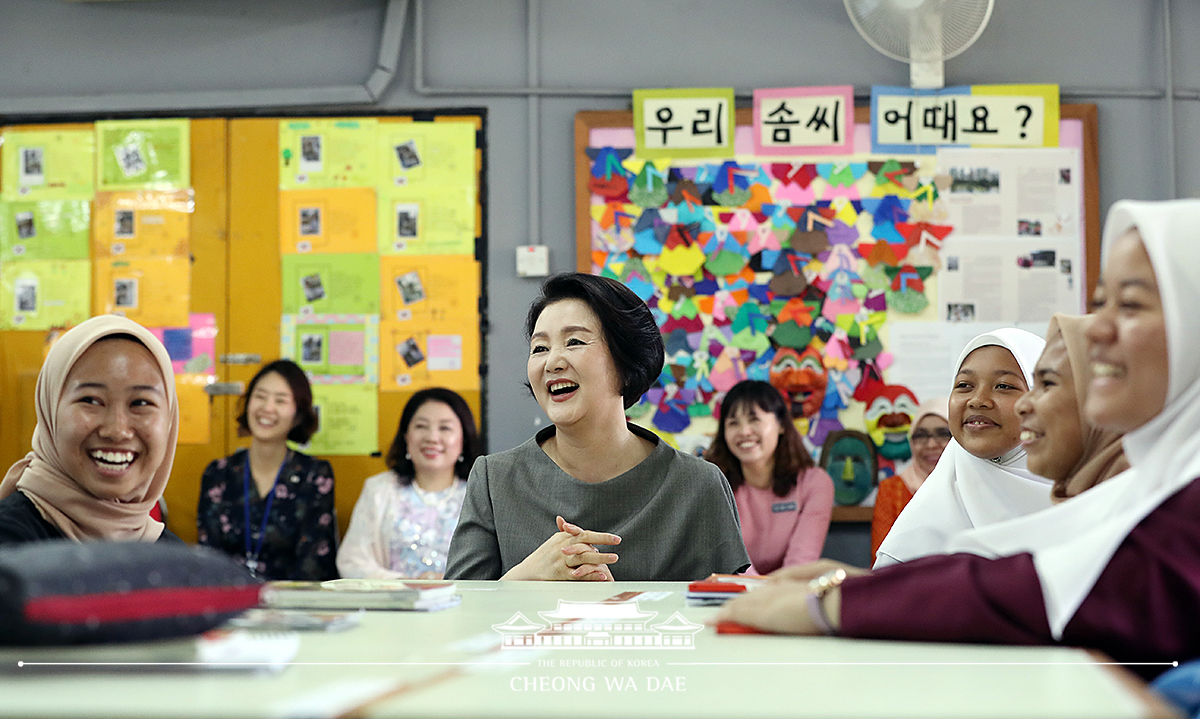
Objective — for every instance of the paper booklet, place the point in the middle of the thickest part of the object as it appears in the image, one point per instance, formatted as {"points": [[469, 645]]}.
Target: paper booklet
{"points": [[396, 594], [719, 588]]}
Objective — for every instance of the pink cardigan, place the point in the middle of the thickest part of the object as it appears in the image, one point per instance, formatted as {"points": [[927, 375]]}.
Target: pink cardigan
{"points": [[782, 531]]}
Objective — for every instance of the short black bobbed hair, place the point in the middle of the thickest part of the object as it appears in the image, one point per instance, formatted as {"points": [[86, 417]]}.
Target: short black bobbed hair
{"points": [[791, 456], [401, 465], [632, 336], [306, 421]]}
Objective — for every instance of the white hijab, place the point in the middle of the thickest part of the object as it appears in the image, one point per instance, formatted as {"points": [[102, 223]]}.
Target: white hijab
{"points": [[964, 491], [1073, 541]]}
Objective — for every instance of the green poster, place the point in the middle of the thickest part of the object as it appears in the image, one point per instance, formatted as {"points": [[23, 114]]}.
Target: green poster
{"points": [[349, 419], [327, 153], [427, 221], [331, 284], [48, 164], [43, 294], [44, 230], [143, 155], [427, 154], [333, 349]]}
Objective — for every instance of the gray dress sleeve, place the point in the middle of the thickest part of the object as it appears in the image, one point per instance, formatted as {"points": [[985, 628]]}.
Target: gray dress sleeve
{"points": [[474, 548]]}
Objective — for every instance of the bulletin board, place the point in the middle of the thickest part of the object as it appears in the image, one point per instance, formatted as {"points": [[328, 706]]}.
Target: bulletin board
{"points": [[797, 270], [351, 244]]}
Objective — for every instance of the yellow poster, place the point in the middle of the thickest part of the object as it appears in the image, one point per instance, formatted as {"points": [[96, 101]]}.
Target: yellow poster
{"points": [[43, 294], [419, 354], [194, 412], [152, 291], [425, 288], [349, 419], [141, 224], [441, 154], [428, 221], [48, 164], [327, 220], [327, 153]]}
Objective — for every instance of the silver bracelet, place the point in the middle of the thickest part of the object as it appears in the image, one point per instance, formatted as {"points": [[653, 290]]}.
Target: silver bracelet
{"points": [[817, 589]]}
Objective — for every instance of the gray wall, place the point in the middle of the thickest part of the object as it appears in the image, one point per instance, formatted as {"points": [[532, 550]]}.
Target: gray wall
{"points": [[60, 58]]}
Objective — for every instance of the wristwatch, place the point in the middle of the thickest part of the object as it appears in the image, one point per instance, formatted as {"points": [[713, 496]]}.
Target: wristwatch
{"points": [[817, 589]]}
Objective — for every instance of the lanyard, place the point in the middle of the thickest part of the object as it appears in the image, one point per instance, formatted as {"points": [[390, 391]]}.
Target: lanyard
{"points": [[252, 562]]}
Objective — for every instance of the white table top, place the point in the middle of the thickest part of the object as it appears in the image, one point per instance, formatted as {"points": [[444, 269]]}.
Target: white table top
{"points": [[453, 663]]}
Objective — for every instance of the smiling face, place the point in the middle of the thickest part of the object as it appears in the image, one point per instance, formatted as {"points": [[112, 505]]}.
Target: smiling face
{"points": [[271, 409], [434, 439], [1050, 429], [929, 439], [752, 434], [570, 367], [1127, 341], [113, 421], [982, 406]]}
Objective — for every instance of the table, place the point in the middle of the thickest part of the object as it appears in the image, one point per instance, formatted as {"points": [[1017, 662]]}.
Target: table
{"points": [[625, 649]]}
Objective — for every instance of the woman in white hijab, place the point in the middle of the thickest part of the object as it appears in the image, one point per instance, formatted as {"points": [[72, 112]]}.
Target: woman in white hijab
{"points": [[981, 477], [1116, 568]]}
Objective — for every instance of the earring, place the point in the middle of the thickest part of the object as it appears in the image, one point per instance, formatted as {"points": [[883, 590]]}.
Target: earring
{"points": [[460, 458], [407, 455]]}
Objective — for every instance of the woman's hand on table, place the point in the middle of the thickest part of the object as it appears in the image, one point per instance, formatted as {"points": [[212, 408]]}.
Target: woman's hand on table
{"points": [[569, 554], [805, 572]]}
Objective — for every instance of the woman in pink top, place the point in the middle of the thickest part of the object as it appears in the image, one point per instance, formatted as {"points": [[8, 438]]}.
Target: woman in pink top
{"points": [[784, 500]]}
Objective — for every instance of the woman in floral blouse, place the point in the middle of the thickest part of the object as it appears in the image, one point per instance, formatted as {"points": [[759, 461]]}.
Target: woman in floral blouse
{"points": [[272, 507]]}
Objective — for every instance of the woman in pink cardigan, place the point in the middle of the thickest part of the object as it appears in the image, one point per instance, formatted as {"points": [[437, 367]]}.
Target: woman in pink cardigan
{"points": [[783, 499]]}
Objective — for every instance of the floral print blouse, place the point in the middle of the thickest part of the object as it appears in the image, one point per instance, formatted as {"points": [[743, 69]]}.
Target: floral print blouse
{"points": [[301, 531]]}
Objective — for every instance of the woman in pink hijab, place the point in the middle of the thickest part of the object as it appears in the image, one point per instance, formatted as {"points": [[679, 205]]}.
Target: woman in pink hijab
{"points": [[107, 422], [928, 436]]}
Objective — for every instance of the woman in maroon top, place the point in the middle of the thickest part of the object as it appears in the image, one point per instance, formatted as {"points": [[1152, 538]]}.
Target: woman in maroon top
{"points": [[1116, 568]]}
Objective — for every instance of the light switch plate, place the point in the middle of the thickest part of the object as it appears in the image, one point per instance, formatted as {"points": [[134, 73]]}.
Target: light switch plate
{"points": [[533, 261]]}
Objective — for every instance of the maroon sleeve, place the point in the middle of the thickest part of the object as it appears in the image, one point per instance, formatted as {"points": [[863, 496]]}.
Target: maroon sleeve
{"points": [[948, 598], [1144, 605], [1141, 609]]}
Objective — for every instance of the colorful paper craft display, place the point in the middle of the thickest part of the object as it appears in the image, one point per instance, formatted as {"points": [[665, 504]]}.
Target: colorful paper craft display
{"points": [[785, 272]]}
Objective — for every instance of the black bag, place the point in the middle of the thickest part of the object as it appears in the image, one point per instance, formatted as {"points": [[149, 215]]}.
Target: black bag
{"points": [[65, 592]]}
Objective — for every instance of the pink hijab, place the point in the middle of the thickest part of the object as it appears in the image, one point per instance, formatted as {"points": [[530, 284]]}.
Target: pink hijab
{"points": [[938, 407], [40, 475]]}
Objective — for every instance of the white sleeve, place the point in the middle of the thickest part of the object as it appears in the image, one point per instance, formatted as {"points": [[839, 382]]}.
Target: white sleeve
{"points": [[363, 551]]}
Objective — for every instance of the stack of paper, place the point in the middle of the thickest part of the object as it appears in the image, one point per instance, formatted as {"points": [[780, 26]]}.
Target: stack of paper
{"points": [[393, 594]]}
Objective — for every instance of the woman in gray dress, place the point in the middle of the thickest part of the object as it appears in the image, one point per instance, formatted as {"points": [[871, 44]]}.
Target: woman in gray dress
{"points": [[593, 497]]}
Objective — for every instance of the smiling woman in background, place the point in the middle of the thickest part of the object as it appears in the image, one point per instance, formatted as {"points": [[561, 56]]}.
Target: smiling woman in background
{"points": [[404, 518], [598, 480], [271, 507], [928, 436], [107, 420], [981, 478], [784, 500]]}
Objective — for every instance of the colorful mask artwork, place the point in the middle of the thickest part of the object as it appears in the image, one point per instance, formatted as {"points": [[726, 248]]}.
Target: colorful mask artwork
{"points": [[849, 458], [801, 377], [780, 271], [888, 416]]}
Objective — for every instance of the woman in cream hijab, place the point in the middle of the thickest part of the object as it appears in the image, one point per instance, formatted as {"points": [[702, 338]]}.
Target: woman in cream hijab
{"points": [[1116, 568], [107, 422], [981, 477]]}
